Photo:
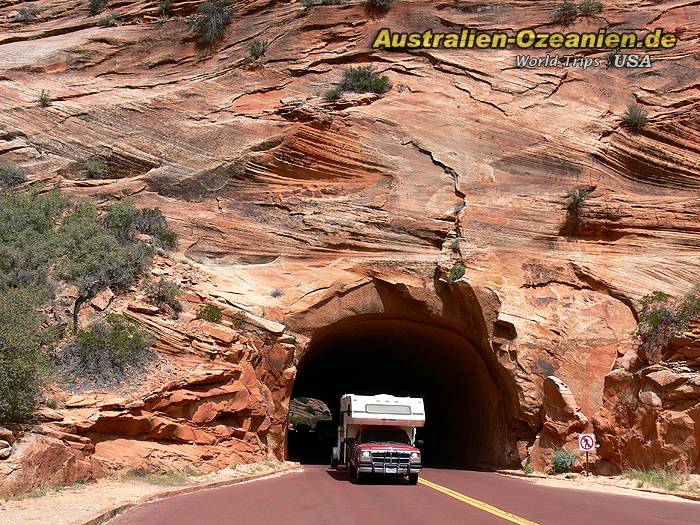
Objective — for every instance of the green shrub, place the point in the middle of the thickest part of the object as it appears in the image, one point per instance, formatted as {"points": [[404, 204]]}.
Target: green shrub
{"points": [[165, 291], [364, 79], [565, 13], [457, 272], [563, 460], [661, 318], [109, 20], [11, 175], [96, 168], [257, 49], [577, 201], [123, 219], [210, 313], [106, 352], [238, 319], [25, 14], [333, 94], [211, 20], [379, 4], [45, 99], [24, 343], [97, 6], [95, 259], [164, 6], [635, 116], [527, 467], [590, 7], [28, 242]]}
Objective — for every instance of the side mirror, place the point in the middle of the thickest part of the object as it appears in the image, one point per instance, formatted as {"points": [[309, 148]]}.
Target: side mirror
{"points": [[420, 443], [349, 441]]}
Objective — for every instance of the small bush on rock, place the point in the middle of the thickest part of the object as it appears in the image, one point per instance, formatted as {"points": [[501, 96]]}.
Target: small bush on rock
{"points": [[165, 6], [238, 320], [123, 219], [11, 175], [165, 291], [211, 20], [44, 99], [106, 352], [577, 201], [563, 460], [95, 168], [25, 14], [566, 13], [590, 7], [635, 116], [108, 21], [333, 94], [661, 318], [210, 313], [96, 6], [364, 79], [457, 272], [257, 49]]}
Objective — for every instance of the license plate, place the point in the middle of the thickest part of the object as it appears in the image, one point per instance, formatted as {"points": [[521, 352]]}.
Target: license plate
{"points": [[390, 470]]}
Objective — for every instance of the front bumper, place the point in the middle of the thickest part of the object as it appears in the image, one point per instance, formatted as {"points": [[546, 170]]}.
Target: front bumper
{"points": [[389, 470]]}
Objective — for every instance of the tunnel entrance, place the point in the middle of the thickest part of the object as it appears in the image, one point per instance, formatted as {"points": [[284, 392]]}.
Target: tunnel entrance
{"points": [[465, 415]]}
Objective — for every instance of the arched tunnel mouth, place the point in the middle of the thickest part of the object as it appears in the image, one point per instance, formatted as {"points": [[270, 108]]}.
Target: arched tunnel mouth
{"points": [[466, 425]]}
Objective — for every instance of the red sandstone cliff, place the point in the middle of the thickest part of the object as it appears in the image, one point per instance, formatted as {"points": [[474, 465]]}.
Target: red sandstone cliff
{"points": [[468, 158]]}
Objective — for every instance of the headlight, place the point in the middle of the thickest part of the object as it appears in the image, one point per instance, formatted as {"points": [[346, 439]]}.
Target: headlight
{"points": [[415, 457], [365, 455]]}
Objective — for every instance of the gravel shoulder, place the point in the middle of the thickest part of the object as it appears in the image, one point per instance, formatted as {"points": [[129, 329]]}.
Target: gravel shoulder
{"points": [[81, 503], [690, 490]]}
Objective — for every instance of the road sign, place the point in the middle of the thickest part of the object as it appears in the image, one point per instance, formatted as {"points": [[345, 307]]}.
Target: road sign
{"points": [[586, 442]]}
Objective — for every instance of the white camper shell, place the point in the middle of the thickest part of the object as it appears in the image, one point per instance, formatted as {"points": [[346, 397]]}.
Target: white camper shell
{"points": [[356, 411]]}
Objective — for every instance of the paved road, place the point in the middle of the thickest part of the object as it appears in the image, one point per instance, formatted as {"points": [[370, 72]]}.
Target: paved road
{"points": [[319, 496]]}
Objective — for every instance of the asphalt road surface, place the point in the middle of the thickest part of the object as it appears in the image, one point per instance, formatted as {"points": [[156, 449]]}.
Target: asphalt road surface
{"points": [[319, 496]]}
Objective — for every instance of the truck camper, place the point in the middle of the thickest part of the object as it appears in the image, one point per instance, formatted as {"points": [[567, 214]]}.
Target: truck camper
{"points": [[377, 435]]}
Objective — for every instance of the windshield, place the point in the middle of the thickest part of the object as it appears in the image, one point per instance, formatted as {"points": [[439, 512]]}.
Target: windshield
{"points": [[384, 435]]}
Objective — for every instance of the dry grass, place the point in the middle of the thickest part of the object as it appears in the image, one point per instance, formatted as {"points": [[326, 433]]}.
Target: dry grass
{"points": [[167, 479], [663, 479]]}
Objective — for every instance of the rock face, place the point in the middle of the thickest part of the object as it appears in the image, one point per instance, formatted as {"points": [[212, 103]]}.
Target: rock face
{"points": [[651, 414], [562, 421], [295, 213]]}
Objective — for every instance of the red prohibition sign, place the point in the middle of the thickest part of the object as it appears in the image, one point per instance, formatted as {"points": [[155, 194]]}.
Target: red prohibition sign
{"points": [[586, 442]]}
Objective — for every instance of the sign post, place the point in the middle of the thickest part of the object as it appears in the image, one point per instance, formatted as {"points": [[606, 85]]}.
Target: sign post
{"points": [[586, 443]]}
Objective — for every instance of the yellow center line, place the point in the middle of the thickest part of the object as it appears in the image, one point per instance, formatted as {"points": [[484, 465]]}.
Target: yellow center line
{"points": [[477, 504]]}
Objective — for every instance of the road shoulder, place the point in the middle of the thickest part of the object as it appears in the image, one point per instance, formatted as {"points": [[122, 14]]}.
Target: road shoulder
{"points": [[96, 503]]}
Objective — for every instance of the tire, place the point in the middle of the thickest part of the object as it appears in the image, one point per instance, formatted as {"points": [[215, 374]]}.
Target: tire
{"points": [[359, 477], [352, 470], [413, 479]]}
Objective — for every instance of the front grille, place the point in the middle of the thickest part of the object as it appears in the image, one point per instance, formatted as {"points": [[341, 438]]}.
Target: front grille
{"points": [[390, 459]]}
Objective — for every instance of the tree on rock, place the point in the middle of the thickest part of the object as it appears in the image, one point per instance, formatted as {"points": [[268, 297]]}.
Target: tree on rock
{"points": [[95, 259]]}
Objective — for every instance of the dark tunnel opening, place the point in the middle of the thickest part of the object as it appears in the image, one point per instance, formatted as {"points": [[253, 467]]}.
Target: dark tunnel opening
{"points": [[465, 415]]}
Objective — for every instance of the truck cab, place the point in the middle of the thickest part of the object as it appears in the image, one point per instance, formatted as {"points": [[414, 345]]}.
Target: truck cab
{"points": [[377, 436]]}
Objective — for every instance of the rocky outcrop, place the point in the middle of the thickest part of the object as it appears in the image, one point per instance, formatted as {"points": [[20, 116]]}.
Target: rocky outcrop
{"points": [[651, 414], [562, 422], [290, 209]]}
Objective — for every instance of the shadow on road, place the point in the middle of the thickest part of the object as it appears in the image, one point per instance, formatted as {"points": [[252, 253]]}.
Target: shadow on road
{"points": [[344, 476]]}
